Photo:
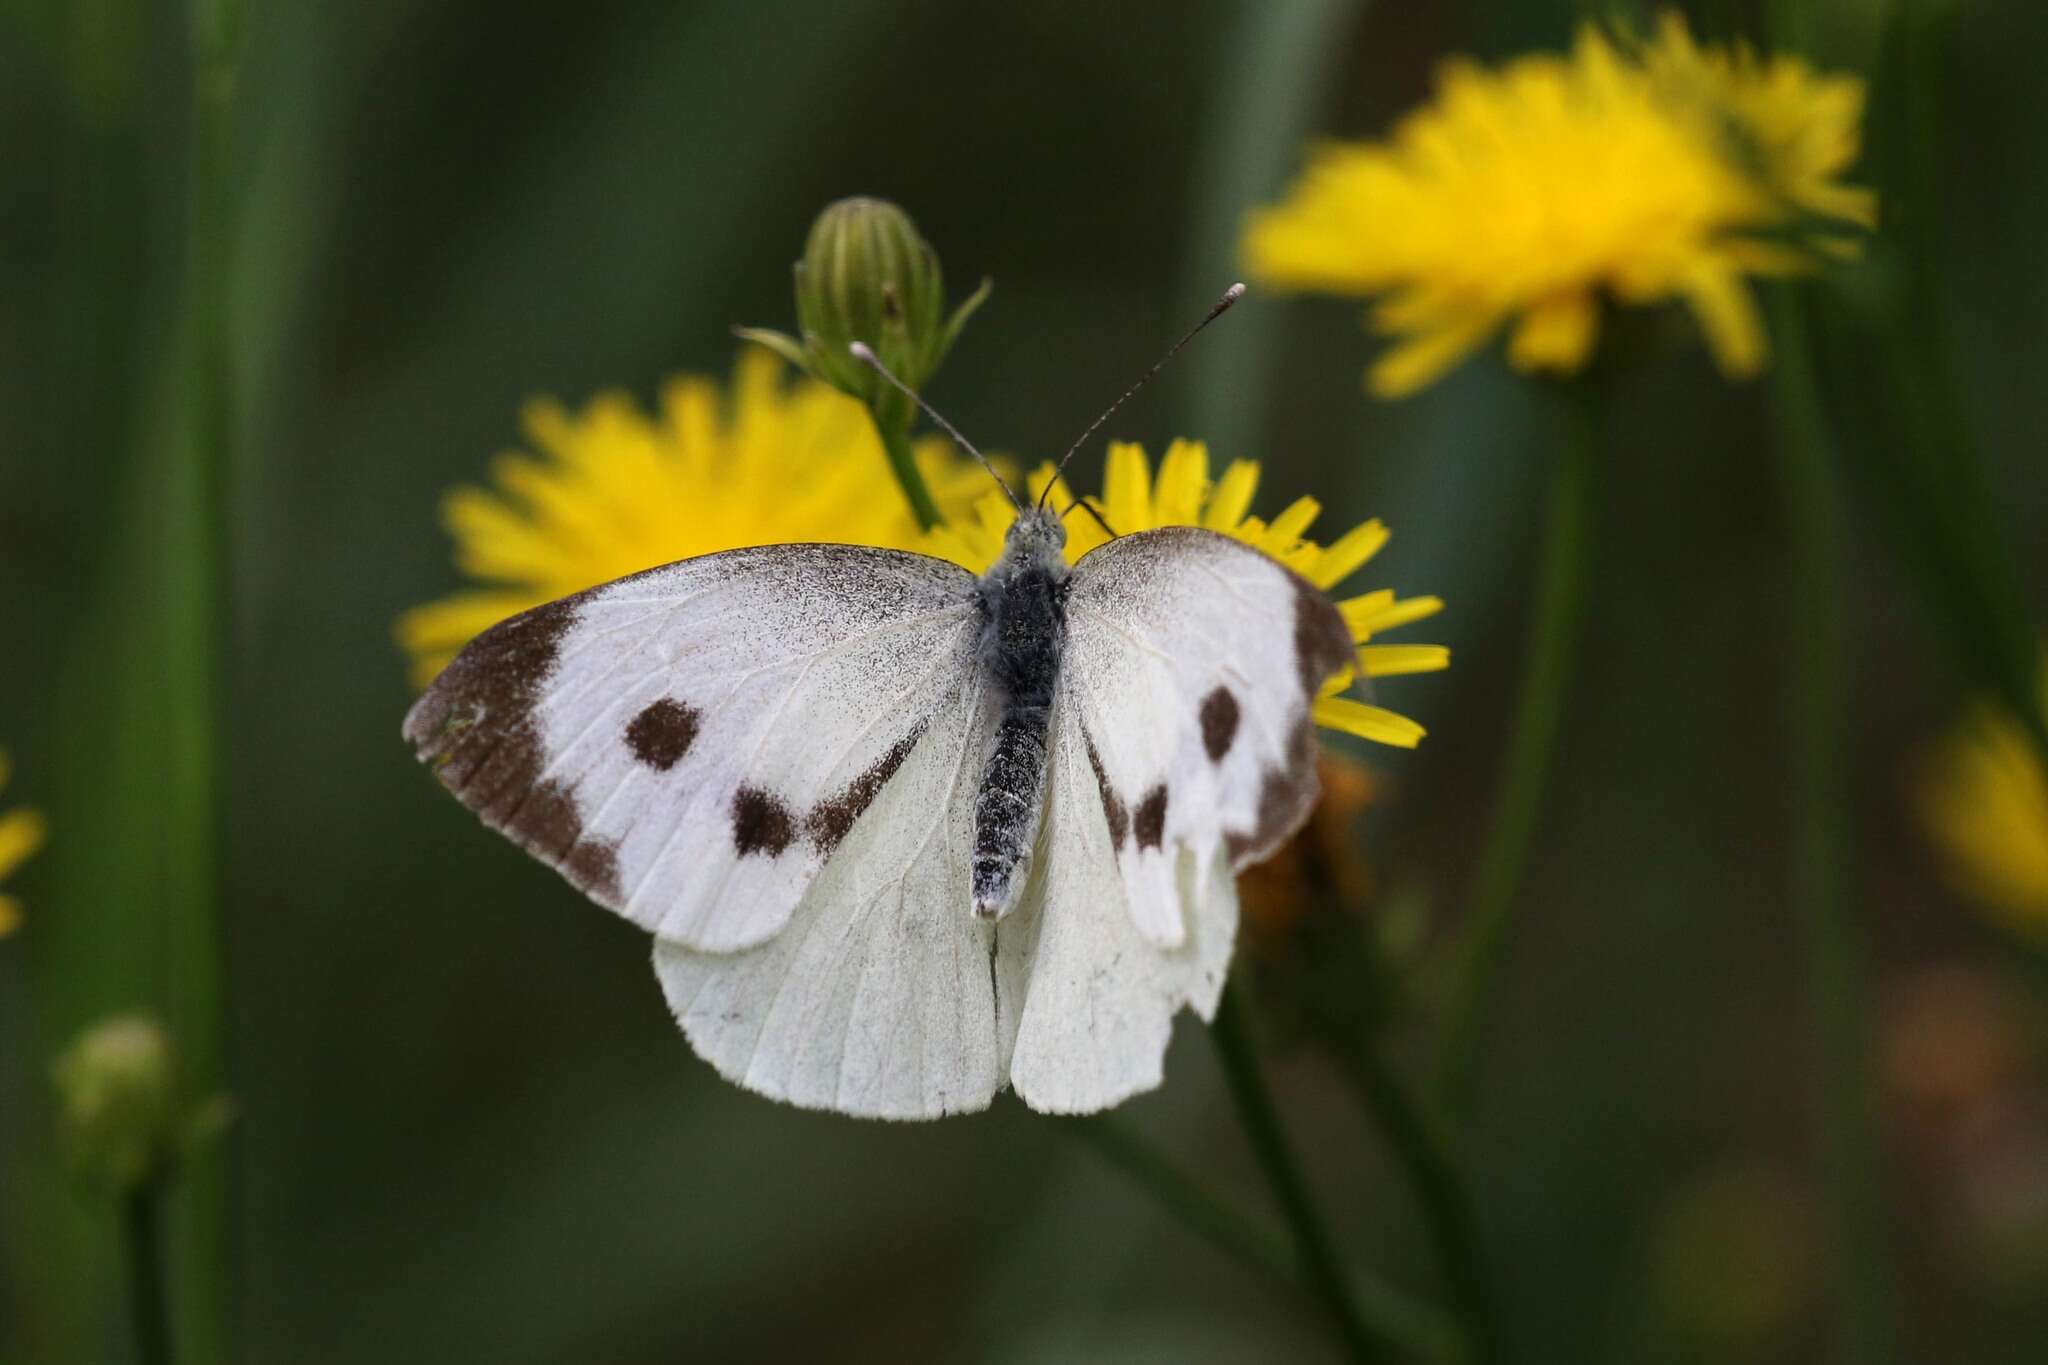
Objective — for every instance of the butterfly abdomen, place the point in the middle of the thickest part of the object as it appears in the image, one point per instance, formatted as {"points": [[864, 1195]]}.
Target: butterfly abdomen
{"points": [[1023, 602], [1006, 808]]}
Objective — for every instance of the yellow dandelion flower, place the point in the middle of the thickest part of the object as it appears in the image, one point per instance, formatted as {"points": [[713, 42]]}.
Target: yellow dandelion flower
{"points": [[1183, 495], [1525, 195], [1982, 794], [21, 834], [616, 489]]}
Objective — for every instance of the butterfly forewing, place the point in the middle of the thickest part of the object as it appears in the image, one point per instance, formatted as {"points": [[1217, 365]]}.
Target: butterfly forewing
{"points": [[1192, 663], [690, 745]]}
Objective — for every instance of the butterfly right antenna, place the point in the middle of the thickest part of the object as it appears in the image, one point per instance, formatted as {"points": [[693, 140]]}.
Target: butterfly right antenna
{"points": [[1089, 508], [1230, 296]]}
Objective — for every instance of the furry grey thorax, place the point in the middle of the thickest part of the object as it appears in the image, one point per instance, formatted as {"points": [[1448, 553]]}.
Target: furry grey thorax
{"points": [[1023, 600]]}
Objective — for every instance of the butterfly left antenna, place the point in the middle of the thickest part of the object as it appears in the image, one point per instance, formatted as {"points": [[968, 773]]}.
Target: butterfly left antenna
{"points": [[874, 362], [1222, 305]]}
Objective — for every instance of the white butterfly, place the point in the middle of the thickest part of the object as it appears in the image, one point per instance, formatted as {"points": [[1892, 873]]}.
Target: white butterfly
{"points": [[904, 836]]}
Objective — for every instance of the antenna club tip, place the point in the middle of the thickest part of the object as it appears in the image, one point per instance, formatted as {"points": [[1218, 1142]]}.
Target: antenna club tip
{"points": [[1234, 293], [861, 351]]}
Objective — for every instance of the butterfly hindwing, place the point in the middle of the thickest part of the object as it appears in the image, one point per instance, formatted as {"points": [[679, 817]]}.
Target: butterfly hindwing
{"points": [[691, 744], [1191, 664], [879, 997], [1099, 996], [884, 996]]}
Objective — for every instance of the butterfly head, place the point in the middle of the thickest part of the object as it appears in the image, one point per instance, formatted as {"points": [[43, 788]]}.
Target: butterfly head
{"points": [[1037, 537]]}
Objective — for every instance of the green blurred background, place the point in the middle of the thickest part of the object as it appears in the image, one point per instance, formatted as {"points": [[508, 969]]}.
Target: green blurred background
{"points": [[467, 1128]]}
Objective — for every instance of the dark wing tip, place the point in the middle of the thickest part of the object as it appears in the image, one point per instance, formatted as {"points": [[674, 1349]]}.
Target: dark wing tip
{"points": [[1323, 646], [497, 677], [475, 726]]}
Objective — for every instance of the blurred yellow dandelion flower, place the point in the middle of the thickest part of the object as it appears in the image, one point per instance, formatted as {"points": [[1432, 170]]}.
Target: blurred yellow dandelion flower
{"points": [[21, 834], [1983, 796], [1524, 195], [616, 489], [1183, 495]]}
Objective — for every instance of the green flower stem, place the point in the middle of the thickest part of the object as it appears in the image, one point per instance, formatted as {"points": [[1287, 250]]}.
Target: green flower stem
{"points": [[142, 1250], [1227, 1227], [1413, 1326], [1425, 1153], [1834, 959], [903, 464], [1884, 345], [1986, 598], [1563, 577], [197, 591], [1278, 65], [1322, 1269]]}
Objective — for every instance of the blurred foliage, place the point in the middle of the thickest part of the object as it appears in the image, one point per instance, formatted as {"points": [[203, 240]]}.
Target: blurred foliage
{"points": [[467, 1127]]}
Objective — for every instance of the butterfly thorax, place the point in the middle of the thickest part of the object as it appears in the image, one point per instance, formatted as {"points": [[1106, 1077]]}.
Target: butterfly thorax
{"points": [[1023, 630]]}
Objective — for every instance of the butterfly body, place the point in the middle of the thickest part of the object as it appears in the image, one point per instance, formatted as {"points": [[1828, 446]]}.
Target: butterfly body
{"points": [[1023, 602], [905, 836]]}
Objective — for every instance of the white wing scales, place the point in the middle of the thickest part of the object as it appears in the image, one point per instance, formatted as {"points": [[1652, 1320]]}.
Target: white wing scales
{"points": [[689, 745]]}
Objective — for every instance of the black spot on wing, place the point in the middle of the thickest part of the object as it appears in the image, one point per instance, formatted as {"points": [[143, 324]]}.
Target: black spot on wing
{"points": [[1149, 824], [1286, 795], [663, 732], [829, 822], [1219, 723], [1322, 642], [476, 727], [1112, 805], [760, 823]]}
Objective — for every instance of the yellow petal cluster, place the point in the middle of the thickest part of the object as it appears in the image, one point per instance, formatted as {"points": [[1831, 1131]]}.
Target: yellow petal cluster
{"points": [[614, 489], [1983, 797], [21, 834], [1525, 197], [1183, 495]]}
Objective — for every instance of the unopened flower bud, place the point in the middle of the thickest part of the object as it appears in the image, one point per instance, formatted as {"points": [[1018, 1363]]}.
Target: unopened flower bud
{"points": [[868, 276], [122, 1117]]}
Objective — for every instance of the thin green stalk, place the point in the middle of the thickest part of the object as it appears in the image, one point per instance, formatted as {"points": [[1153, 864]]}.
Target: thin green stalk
{"points": [[1278, 64], [1425, 1153], [1187, 1198], [1818, 721], [903, 464], [1413, 1326], [142, 1250], [198, 589], [1928, 474], [1322, 1268], [1562, 580]]}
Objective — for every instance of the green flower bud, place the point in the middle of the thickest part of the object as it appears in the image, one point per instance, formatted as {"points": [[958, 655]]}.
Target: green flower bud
{"points": [[122, 1117], [867, 275]]}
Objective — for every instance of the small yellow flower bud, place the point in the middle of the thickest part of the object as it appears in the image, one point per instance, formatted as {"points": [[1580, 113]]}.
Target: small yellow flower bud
{"points": [[121, 1116], [868, 276]]}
